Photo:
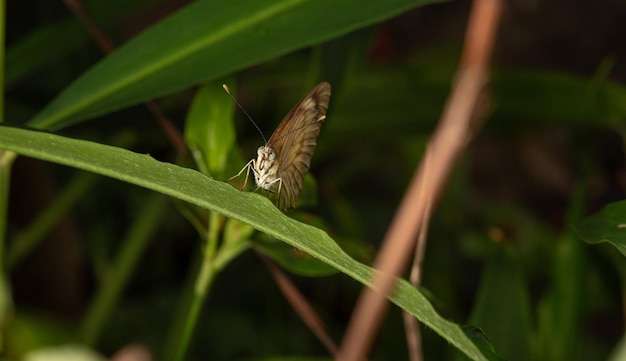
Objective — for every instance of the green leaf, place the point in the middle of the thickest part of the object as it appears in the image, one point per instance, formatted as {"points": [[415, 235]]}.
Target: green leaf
{"points": [[42, 48], [502, 308], [289, 358], [608, 225], [209, 130], [50, 43], [619, 353], [64, 353], [295, 262], [561, 312], [32, 331], [236, 235], [551, 97], [482, 342], [250, 208], [205, 40]]}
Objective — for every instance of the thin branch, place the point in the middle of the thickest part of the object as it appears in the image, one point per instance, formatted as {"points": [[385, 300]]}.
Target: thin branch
{"points": [[300, 305], [411, 324]]}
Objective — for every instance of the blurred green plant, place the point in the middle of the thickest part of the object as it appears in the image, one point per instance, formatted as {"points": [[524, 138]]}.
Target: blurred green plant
{"points": [[379, 120]]}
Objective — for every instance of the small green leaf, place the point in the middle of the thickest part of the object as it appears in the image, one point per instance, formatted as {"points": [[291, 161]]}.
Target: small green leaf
{"points": [[608, 225], [209, 130], [236, 236], [482, 342]]}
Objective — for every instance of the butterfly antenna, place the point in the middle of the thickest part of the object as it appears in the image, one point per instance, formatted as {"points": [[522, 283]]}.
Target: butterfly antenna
{"points": [[244, 111]]}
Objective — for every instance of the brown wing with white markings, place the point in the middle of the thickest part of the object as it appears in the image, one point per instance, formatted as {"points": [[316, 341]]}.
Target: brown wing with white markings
{"points": [[294, 142]]}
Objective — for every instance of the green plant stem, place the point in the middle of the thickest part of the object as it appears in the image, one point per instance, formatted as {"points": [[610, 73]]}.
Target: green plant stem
{"points": [[6, 161], [25, 241], [2, 29], [205, 278], [205, 268], [127, 260], [561, 311]]}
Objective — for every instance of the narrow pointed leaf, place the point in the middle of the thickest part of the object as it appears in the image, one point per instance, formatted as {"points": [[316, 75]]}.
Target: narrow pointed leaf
{"points": [[205, 40], [250, 208]]}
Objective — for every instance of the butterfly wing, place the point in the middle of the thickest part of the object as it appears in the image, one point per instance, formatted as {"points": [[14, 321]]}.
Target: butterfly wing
{"points": [[294, 142]]}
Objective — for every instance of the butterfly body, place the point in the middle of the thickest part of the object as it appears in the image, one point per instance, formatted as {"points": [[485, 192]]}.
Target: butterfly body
{"points": [[282, 163], [265, 169]]}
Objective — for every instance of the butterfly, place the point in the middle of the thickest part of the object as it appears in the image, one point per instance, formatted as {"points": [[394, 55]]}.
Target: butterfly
{"points": [[284, 160]]}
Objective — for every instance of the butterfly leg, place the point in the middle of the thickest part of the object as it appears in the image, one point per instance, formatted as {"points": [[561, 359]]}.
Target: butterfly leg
{"points": [[276, 193], [280, 185], [247, 168]]}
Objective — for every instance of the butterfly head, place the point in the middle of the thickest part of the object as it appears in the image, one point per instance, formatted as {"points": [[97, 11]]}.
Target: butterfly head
{"points": [[266, 157]]}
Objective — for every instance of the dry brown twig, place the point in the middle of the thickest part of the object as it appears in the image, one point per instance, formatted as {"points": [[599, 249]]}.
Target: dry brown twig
{"points": [[442, 150], [411, 325], [300, 305]]}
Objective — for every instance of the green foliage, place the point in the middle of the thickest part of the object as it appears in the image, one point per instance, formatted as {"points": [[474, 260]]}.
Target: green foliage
{"points": [[209, 129], [203, 41], [249, 208], [160, 257], [502, 309], [606, 226]]}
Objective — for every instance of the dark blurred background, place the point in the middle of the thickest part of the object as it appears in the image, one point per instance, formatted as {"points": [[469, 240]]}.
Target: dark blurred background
{"points": [[550, 129]]}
